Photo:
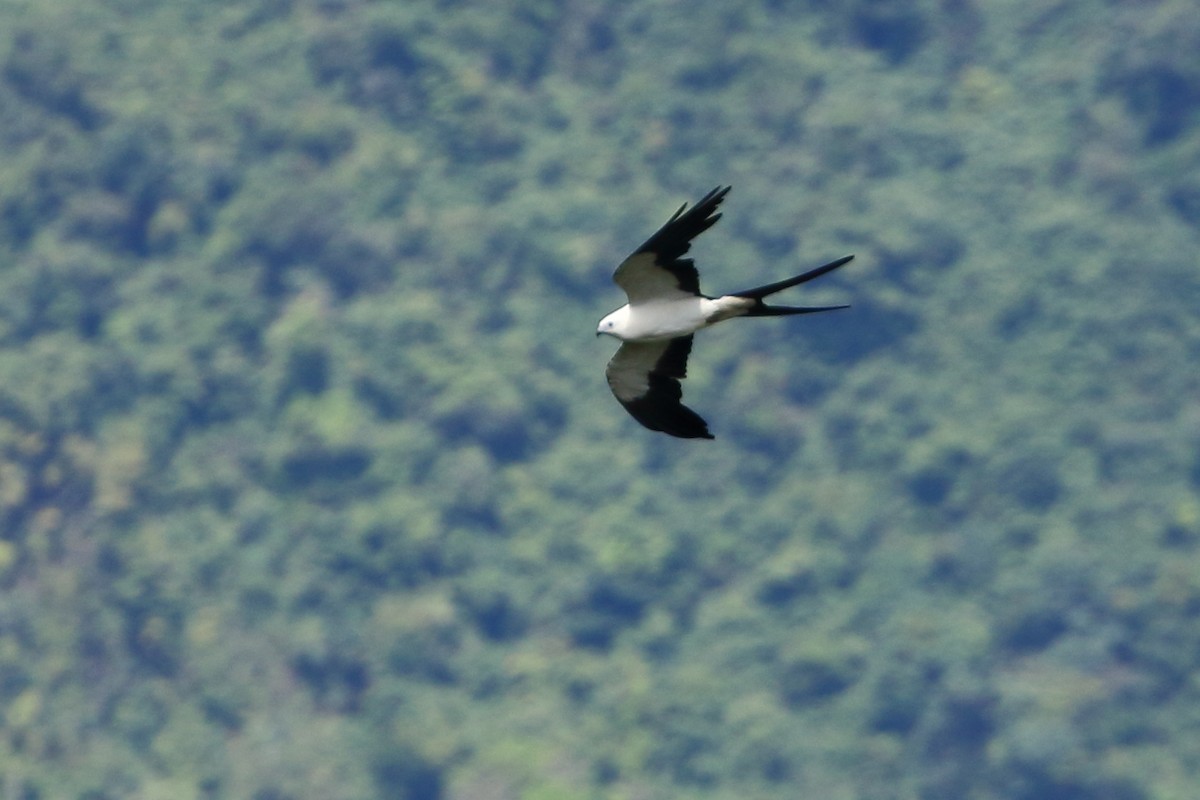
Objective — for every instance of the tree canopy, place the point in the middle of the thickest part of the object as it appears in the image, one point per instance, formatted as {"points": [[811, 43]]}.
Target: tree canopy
{"points": [[311, 487]]}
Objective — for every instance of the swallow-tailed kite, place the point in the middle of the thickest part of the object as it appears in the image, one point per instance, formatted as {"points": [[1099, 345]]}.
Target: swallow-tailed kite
{"points": [[665, 308]]}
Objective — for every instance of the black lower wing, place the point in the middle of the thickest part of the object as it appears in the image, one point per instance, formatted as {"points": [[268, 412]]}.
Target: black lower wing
{"points": [[644, 377]]}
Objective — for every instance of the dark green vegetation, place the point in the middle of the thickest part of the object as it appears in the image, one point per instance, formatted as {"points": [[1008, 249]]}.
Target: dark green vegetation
{"points": [[310, 486]]}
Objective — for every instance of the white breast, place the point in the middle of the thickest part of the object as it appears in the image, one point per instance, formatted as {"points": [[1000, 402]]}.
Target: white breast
{"points": [[665, 319]]}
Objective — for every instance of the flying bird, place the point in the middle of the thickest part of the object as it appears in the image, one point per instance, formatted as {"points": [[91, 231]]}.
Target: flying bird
{"points": [[666, 308]]}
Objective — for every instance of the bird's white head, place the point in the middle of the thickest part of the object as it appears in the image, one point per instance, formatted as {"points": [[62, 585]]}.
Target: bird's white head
{"points": [[614, 323]]}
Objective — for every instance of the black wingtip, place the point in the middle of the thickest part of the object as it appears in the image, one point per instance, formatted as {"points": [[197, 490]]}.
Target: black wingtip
{"points": [[670, 242], [678, 421], [660, 409]]}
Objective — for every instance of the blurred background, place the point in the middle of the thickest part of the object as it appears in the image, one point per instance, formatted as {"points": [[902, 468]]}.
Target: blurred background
{"points": [[311, 487]]}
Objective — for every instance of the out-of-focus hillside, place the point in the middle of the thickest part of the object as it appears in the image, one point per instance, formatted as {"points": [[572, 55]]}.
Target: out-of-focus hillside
{"points": [[311, 487]]}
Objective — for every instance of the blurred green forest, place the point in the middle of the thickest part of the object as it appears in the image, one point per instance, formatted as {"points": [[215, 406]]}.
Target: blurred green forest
{"points": [[311, 487]]}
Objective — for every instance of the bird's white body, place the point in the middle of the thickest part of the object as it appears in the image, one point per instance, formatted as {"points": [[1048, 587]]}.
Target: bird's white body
{"points": [[671, 318]]}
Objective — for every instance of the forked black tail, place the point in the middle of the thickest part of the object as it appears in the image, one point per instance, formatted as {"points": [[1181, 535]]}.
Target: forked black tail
{"points": [[763, 310]]}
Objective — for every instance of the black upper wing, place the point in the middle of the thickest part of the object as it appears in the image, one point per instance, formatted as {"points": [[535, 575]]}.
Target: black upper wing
{"points": [[664, 251]]}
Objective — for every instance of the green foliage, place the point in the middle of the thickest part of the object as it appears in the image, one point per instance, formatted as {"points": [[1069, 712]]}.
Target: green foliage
{"points": [[310, 486]]}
